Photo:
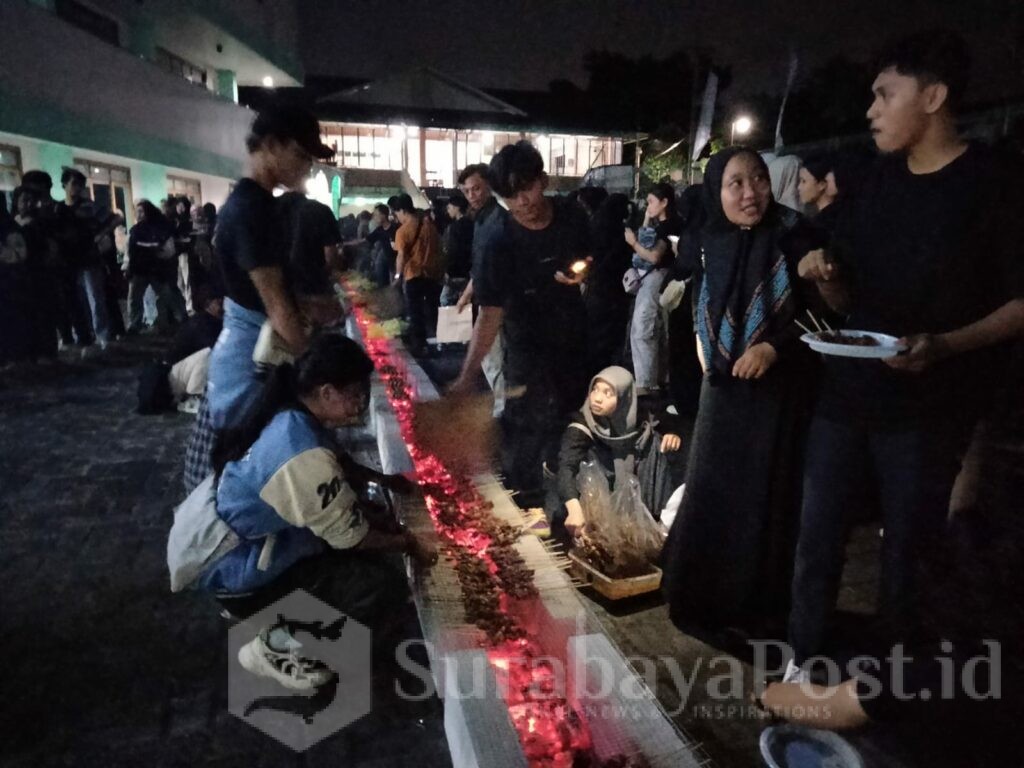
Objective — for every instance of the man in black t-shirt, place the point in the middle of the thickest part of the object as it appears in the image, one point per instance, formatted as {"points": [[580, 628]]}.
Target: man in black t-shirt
{"points": [[457, 247], [251, 253], [313, 238], [382, 245], [920, 255], [75, 231], [526, 288]]}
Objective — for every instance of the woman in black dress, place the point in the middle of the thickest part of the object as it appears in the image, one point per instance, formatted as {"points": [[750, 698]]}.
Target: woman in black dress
{"points": [[728, 558]]}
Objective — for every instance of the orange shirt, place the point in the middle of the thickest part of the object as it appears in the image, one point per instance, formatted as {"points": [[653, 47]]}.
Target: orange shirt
{"points": [[422, 254]]}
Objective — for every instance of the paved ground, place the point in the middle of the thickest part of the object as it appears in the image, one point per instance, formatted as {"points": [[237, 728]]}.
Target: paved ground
{"points": [[103, 666]]}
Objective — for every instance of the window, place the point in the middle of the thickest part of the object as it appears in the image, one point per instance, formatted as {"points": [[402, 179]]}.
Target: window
{"points": [[110, 186], [10, 170], [179, 186], [180, 67], [84, 17]]}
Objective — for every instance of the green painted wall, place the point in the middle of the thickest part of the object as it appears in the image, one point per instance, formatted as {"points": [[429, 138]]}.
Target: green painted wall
{"points": [[151, 184], [38, 119], [53, 158]]}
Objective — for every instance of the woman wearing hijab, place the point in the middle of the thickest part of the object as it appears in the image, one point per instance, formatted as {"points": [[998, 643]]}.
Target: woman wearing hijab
{"points": [[605, 430], [728, 557], [785, 176]]}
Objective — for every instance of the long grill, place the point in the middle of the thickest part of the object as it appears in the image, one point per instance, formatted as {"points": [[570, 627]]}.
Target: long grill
{"points": [[526, 672]]}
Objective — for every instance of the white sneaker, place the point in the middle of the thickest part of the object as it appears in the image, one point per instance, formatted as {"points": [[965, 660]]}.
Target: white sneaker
{"points": [[189, 405], [795, 674], [287, 668]]}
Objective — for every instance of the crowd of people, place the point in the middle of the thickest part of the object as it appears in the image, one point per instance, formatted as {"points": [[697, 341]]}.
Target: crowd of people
{"points": [[692, 304], [789, 449], [75, 277]]}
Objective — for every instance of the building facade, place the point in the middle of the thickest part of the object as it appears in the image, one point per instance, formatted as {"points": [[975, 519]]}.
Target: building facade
{"points": [[142, 97], [427, 126]]}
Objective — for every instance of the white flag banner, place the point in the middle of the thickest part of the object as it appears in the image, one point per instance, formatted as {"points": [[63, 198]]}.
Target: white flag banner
{"points": [[790, 78], [707, 114]]}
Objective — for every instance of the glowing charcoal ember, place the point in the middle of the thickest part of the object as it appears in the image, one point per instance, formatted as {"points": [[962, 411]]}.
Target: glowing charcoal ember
{"points": [[493, 578]]}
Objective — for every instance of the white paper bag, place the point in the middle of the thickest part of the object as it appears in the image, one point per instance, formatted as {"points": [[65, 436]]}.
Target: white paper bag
{"points": [[454, 327]]}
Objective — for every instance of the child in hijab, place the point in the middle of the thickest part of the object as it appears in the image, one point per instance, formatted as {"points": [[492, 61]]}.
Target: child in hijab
{"points": [[605, 430]]}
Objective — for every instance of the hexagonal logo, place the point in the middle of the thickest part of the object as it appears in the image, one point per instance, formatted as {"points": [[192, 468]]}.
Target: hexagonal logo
{"points": [[299, 670]]}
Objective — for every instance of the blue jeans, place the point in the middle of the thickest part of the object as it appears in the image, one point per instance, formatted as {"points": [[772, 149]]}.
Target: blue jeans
{"points": [[909, 474], [647, 331], [234, 383], [91, 283]]}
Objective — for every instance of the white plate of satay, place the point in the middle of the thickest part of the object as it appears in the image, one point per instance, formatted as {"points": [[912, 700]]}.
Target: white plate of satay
{"points": [[848, 342]]}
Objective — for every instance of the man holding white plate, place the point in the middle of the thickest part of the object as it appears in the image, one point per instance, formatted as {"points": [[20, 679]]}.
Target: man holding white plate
{"points": [[928, 253]]}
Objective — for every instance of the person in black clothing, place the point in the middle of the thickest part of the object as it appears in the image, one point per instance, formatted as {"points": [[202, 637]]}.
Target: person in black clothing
{"points": [[684, 369], [457, 248], [526, 288], [926, 253], [313, 238], [591, 199], [607, 304], [729, 551], [16, 301], [488, 228], [42, 264], [183, 229], [61, 280], [202, 329], [382, 245], [75, 234], [149, 248], [964, 675]]}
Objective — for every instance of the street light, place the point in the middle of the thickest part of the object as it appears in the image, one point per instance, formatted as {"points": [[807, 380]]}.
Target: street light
{"points": [[741, 126]]}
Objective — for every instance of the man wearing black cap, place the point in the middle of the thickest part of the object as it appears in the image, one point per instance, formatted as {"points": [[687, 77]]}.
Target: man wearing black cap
{"points": [[252, 253]]}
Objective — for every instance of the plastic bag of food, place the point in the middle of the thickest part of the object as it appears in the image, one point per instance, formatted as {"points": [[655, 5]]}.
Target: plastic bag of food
{"points": [[621, 539]]}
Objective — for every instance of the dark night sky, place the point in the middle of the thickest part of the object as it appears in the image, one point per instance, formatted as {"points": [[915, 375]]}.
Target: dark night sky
{"points": [[523, 44]]}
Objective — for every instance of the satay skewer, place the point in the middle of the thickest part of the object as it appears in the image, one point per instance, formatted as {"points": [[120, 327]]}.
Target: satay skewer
{"points": [[808, 330], [815, 321]]}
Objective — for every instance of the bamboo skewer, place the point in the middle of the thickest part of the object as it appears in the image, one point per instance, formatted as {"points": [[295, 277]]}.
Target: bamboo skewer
{"points": [[815, 321], [808, 330]]}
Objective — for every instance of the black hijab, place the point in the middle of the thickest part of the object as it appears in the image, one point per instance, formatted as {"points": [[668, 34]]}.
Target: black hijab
{"points": [[746, 291]]}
